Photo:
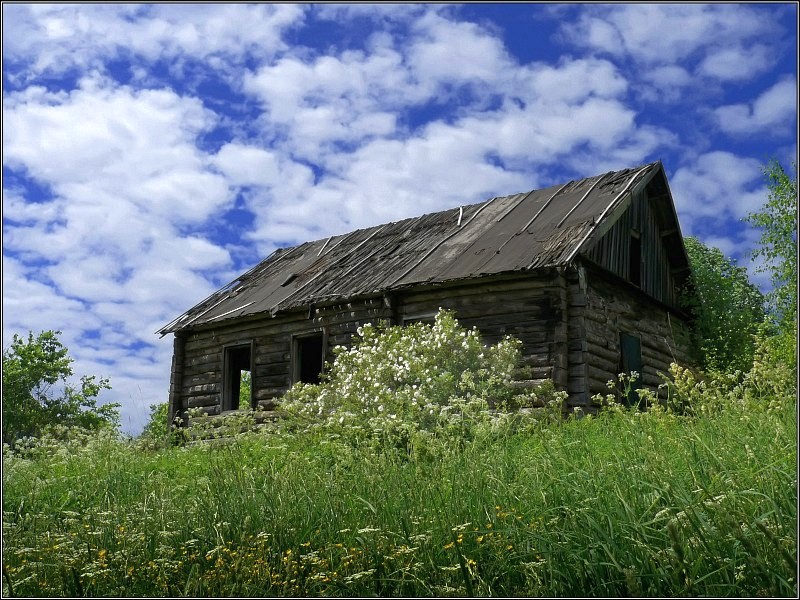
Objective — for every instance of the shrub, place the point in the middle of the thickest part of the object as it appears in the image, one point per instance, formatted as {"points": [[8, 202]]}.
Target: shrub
{"points": [[401, 385]]}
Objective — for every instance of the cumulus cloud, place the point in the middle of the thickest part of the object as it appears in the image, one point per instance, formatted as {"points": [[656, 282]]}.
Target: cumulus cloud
{"points": [[771, 114], [103, 252], [664, 33], [665, 83], [58, 38], [736, 63], [666, 42], [571, 114], [717, 186]]}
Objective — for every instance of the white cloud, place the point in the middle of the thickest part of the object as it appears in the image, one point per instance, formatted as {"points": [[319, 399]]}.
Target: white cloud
{"points": [[449, 51], [715, 187], [57, 38], [666, 83], [108, 250], [736, 62], [341, 112], [342, 99], [31, 305], [665, 33], [773, 113], [546, 114], [715, 42]]}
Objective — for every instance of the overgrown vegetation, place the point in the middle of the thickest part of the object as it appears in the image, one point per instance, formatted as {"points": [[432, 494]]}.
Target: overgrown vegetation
{"points": [[38, 395], [694, 498], [399, 387], [728, 309], [777, 221]]}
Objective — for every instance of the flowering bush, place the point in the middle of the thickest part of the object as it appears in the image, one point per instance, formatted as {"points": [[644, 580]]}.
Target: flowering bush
{"points": [[408, 383], [768, 385]]}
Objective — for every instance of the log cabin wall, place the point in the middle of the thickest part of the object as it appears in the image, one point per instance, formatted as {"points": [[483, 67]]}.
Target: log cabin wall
{"points": [[577, 344], [271, 340], [175, 405], [532, 309], [613, 308]]}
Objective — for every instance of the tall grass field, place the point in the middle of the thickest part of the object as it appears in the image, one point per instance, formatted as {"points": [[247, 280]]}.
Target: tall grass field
{"points": [[626, 503]]}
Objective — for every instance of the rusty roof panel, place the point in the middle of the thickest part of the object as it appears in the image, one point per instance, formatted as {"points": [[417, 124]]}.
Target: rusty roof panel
{"points": [[520, 232]]}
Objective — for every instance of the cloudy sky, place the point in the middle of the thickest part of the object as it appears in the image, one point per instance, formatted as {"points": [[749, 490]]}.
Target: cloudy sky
{"points": [[151, 153]]}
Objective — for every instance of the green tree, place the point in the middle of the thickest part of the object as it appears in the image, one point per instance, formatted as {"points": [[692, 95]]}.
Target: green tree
{"points": [[36, 393], [244, 389], [728, 309], [778, 247], [778, 244], [157, 427]]}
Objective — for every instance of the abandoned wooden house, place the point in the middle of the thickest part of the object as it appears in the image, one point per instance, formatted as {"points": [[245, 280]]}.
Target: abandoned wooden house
{"points": [[586, 274]]}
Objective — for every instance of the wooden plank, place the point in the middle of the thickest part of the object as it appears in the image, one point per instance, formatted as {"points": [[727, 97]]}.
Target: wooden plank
{"points": [[272, 381], [267, 404], [276, 368], [600, 374], [198, 360], [479, 288], [264, 393], [270, 353], [606, 354], [497, 304], [198, 401], [193, 390]]}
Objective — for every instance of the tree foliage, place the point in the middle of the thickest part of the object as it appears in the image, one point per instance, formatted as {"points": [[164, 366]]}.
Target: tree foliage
{"points": [[157, 427], [244, 389], [728, 309], [37, 394], [778, 244]]}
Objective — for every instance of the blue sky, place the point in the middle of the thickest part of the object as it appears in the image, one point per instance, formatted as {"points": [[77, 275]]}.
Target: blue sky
{"points": [[151, 153]]}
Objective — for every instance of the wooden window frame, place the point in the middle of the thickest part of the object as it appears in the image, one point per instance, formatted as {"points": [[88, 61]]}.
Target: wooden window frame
{"points": [[297, 340], [226, 401]]}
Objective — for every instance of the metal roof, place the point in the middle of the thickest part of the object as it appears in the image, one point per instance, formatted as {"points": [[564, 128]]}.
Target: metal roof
{"points": [[541, 228]]}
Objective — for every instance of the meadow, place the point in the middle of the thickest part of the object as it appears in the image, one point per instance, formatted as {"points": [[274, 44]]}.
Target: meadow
{"points": [[624, 504], [696, 498]]}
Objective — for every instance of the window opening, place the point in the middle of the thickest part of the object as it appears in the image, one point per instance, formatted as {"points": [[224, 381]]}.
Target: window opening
{"points": [[238, 381], [631, 360], [635, 258], [309, 358]]}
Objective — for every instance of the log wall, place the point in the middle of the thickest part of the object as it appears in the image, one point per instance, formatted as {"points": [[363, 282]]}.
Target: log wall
{"points": [[532, 309], [568, 321], [272, 337], [612, 308]]}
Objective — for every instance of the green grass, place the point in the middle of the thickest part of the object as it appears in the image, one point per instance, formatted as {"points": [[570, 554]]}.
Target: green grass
{"points": [[624, 504]]}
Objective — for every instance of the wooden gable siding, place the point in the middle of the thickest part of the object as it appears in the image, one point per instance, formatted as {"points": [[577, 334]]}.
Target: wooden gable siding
{"points": [[612, 250]]}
